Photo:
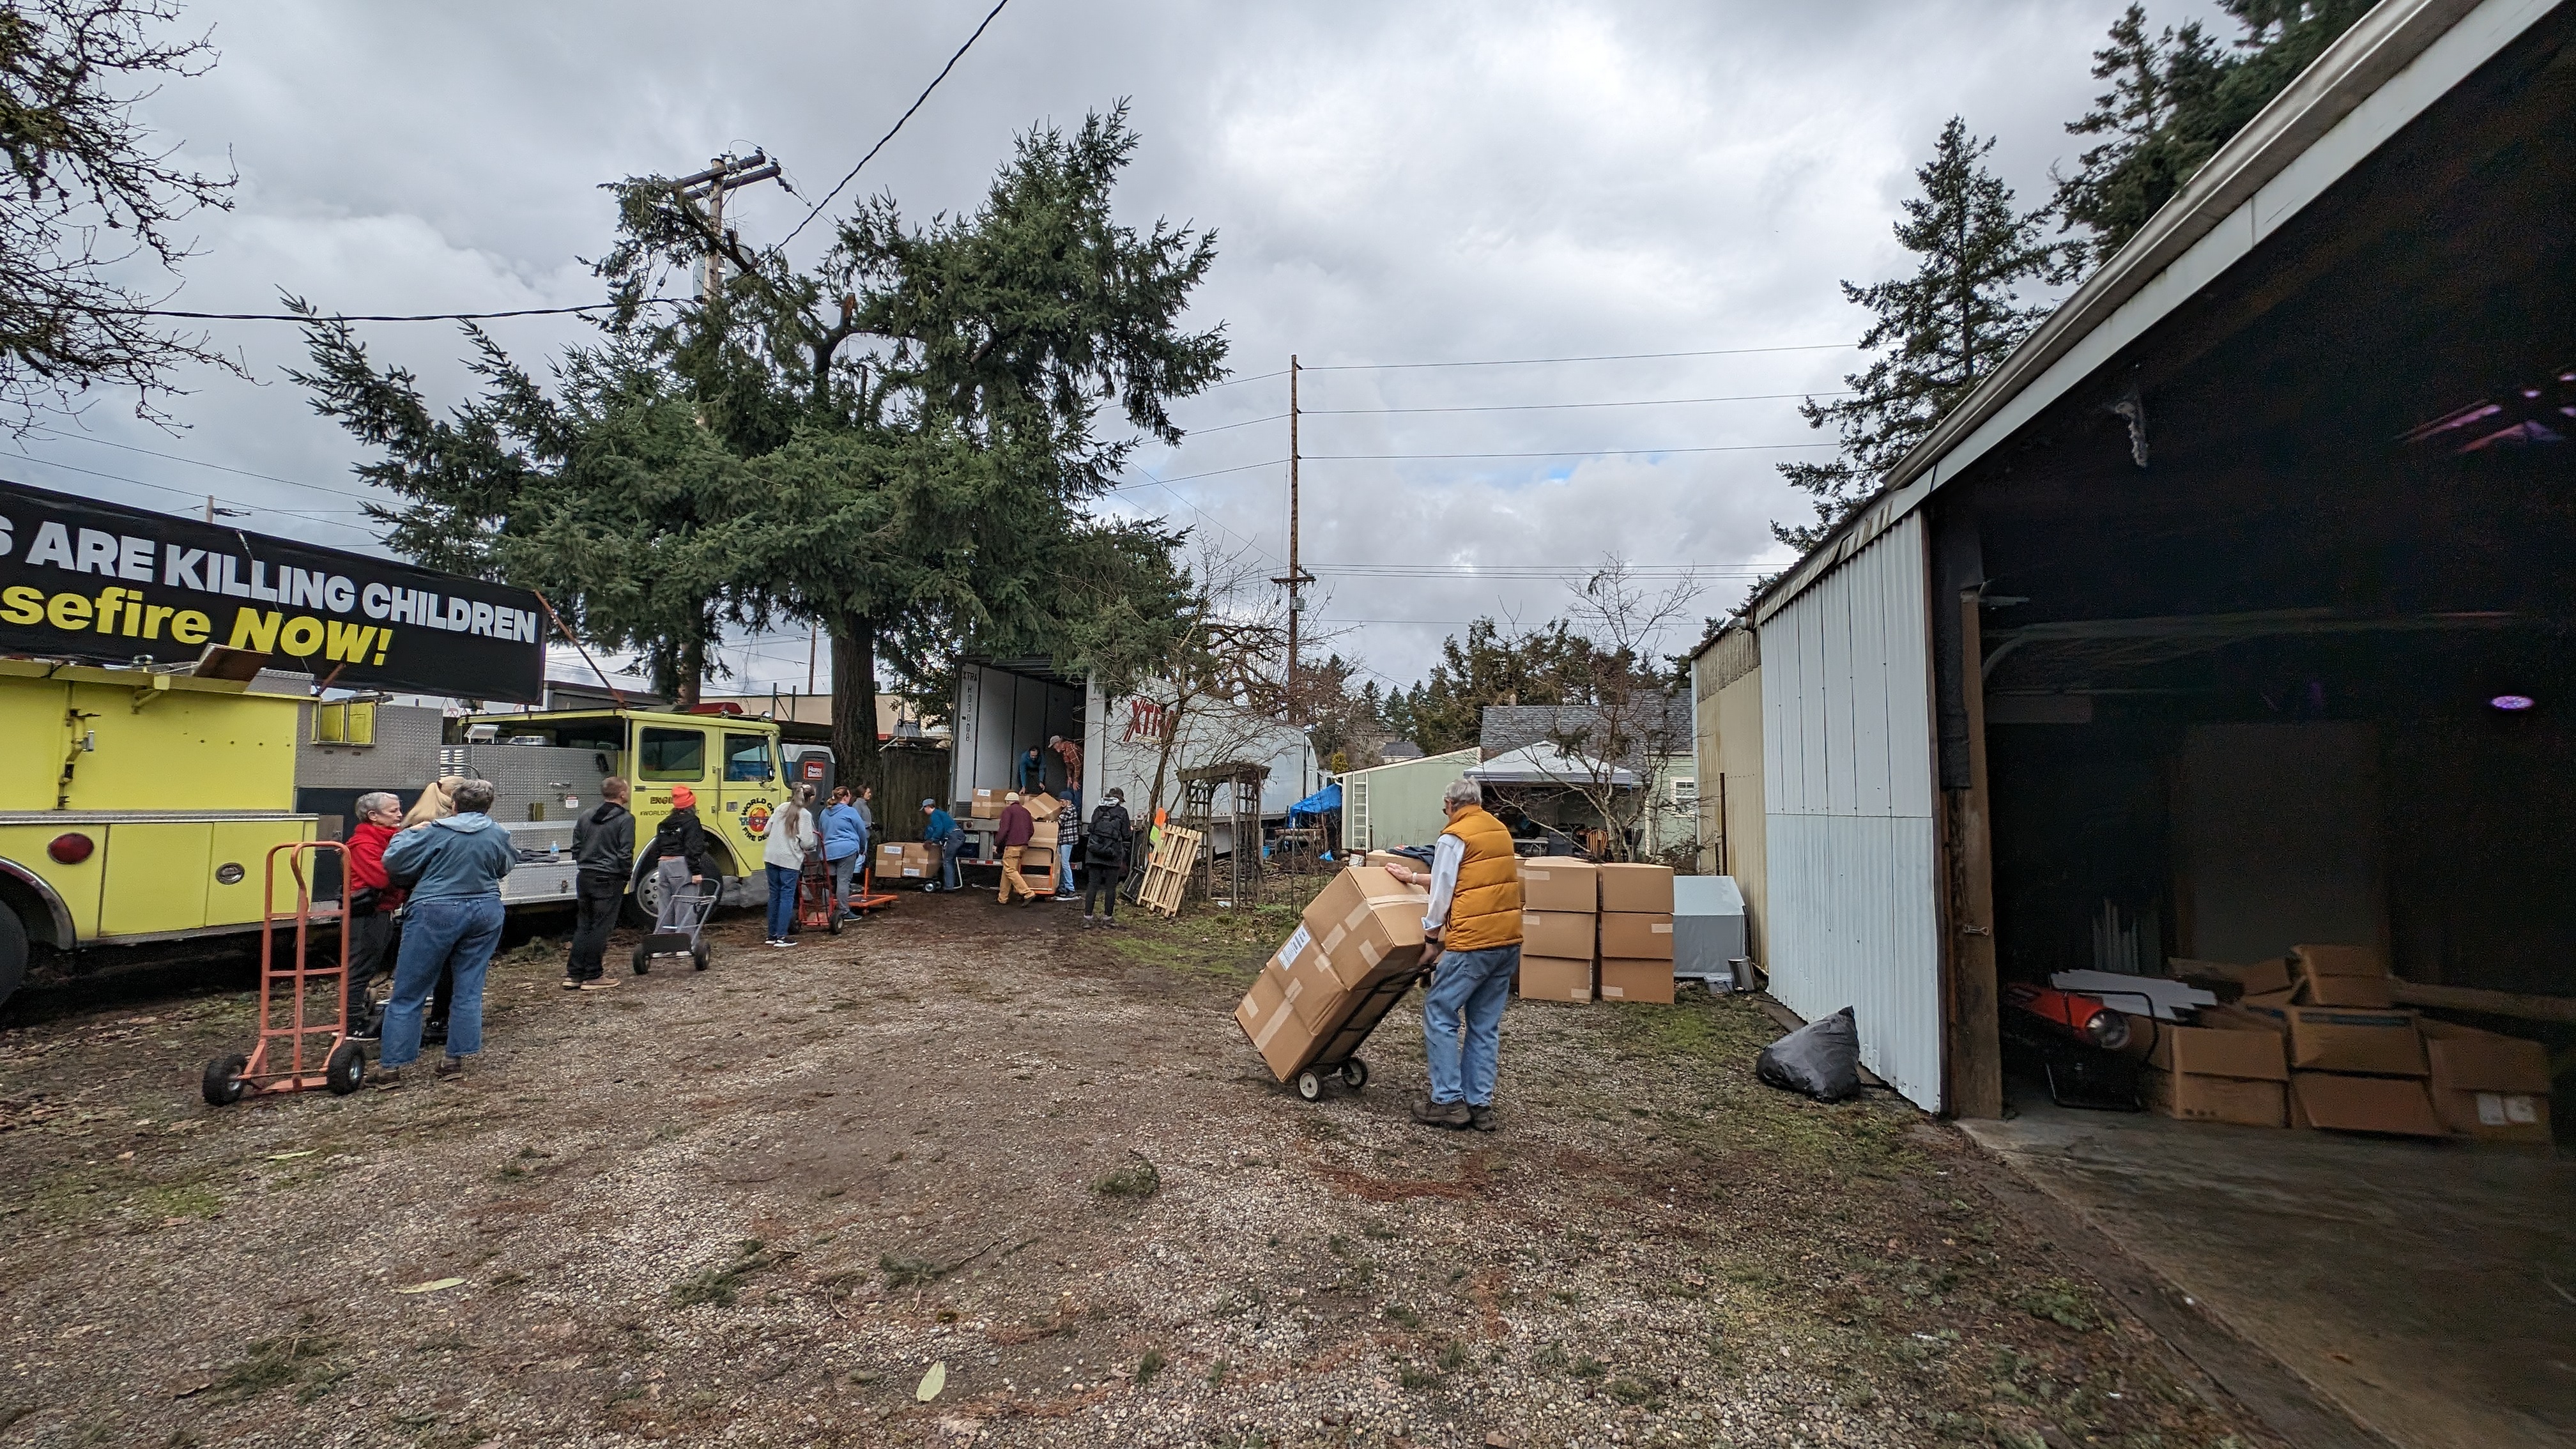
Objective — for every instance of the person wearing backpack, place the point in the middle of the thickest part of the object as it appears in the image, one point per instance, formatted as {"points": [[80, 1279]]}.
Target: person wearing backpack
{"points": [[1105, 846]]}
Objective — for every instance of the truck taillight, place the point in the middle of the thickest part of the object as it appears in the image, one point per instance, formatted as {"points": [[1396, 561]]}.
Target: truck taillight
{"points": [[70, 848]]}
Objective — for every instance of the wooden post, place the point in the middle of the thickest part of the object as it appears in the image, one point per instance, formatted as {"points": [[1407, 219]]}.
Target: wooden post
{"points": [[1976, 1048]]}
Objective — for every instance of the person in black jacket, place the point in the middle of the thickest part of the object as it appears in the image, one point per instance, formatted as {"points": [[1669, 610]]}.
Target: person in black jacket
{"points": [[1105, 845], [681, 836], [603, 849]]}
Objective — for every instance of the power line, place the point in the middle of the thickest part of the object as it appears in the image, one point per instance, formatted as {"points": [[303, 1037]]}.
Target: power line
{"points": [[1240, 381], [1247, 422], [1603, 357], [1648, 402], [202, 463], [890, 134], [1152, 481], [382, 317], [1571, 452], [186, 493]]}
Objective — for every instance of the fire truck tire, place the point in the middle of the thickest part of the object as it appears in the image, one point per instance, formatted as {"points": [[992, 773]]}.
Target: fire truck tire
{"points": [[346, 1072], [13, 951], [224, 1085]]}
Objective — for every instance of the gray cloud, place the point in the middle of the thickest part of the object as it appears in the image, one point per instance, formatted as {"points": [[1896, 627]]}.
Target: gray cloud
{"points": [[1390, 183]]}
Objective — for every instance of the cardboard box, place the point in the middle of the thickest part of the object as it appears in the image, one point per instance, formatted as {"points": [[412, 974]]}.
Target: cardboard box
{"points": [[1368, 925], [1272, 1026], [1552, 978], [2224, 1051], [1566, 935], [2338, 960], [1042, 807], [1384, 858], [1045, 835], [907, 860], [2243, 1101], [1560, 883], [2345, 1039], [2486, 1085], [2396, 1105], [2266, 999], [1643, 888], [986, 804], [1647, 981], [1636, 936], [2360, 991]]}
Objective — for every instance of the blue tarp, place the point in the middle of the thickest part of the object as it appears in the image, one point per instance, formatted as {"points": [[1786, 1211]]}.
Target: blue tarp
{"points": [[1327, 801]]}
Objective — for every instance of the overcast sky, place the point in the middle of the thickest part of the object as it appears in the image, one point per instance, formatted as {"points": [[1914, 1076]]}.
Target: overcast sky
{"points": [[1409, 183]]}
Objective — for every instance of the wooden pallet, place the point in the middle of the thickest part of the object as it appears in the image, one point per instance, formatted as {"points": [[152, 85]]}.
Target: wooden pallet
{"points": [[1167, 870]]}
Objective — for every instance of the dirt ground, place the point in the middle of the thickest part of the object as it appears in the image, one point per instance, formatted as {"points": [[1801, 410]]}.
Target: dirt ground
{"points": [[762, 1205]]}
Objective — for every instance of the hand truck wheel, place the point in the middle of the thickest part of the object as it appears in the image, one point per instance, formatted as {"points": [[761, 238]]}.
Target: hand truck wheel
{"points": [[698, 957], [346, 1072], [1310, 1086], [643, 961], [835, 927], [1355, 1074], [223, 1085]]}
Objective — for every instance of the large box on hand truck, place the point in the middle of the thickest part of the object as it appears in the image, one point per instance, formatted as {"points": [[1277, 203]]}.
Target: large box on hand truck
{"points": [[1354, 956]]}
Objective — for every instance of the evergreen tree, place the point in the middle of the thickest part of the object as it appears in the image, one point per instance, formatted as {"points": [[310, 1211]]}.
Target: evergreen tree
{"points": [[1446, 711], [2176, 98], [1943, 329]]}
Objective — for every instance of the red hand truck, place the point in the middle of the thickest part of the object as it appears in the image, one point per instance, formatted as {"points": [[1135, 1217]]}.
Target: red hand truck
{"points": [[282, 1061]]}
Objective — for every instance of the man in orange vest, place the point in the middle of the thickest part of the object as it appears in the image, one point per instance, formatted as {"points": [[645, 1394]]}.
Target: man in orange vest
{"points": [[1474, 927]]}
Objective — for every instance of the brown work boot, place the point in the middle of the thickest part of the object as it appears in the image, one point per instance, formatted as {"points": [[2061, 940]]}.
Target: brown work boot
{"points": [[1482, 1118], [1440, 1114]]}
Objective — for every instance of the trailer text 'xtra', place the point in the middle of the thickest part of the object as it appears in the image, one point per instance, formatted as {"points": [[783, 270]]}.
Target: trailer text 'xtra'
{"points": [[287, 592]]}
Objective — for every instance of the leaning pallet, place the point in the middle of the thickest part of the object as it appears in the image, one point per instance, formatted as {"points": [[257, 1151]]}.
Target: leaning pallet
{"points": [[1167, 870]]}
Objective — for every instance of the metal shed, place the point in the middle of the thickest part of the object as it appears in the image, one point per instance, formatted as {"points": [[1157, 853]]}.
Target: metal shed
{"points": [[1398, 804], [2205, 517]]}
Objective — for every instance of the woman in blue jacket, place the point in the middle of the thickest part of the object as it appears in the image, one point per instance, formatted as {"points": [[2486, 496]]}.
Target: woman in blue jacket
{"points": [[453, 869], [845, 844]]}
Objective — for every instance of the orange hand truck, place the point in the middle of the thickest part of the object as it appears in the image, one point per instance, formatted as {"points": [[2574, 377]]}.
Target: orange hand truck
{"points": [[282, 1061]]}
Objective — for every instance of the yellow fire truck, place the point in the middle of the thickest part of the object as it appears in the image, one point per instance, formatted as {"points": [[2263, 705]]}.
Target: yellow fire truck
{"points": [[138, 805]]}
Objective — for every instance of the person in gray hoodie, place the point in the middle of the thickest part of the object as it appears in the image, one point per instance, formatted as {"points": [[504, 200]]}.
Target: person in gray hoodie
{"points": [[453, 869]]}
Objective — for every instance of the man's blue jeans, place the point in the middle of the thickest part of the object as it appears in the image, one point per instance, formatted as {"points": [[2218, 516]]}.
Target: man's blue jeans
{"points": [[1468, 993], [843, 871], [782, 901], [462, 928], [951, 846]]}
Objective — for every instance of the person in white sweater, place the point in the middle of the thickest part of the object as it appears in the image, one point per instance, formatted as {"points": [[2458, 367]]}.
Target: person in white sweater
{"points": [[790, 840]]}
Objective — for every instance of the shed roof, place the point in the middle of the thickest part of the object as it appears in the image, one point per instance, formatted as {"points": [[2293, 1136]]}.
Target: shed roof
{"points": [[1545, 764], [2388, 68]]}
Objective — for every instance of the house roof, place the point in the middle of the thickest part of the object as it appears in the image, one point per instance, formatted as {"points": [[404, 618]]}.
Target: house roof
{"points": [[2388, 68], [1545, 764], [1511, 726]]}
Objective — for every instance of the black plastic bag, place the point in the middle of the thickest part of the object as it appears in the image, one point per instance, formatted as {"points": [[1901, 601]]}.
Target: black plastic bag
{"points": [[1820, 1059]]}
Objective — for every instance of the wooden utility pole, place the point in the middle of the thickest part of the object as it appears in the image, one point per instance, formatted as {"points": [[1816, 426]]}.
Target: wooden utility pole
{"points": [[723, 174], [1297, 577]]}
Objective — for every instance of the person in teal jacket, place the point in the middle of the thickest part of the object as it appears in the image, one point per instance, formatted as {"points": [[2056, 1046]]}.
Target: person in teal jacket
{"points": [[453, 869]]}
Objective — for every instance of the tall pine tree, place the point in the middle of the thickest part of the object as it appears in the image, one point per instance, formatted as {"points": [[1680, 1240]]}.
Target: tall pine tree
{"points": [[2175, 98], [1939, 332]]}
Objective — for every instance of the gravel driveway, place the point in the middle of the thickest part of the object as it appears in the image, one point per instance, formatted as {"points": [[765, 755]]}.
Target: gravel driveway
{"points": [[759, 1205]]}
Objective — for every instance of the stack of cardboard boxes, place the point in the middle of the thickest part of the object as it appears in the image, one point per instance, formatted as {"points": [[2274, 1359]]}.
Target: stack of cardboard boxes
{"points": [[1037, 860], [1560, 927], [907, 860], [1310, 1003], [1636, 933], [2318, 1041]]}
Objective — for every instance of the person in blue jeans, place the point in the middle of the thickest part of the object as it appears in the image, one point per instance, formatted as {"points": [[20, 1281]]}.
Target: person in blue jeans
{"points": [[845, 845], [791, 839], [1473, 925], [453, 868], [944, 832]]}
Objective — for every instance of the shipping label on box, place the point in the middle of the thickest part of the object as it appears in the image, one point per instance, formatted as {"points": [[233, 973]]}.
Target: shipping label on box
{"points": [[1647, 981], [2257, 1055], [1559, 883], [2244, 1102], [1643, 888], [1565, 935], [1551, 978], [2396, 1105], [1636, 936]]}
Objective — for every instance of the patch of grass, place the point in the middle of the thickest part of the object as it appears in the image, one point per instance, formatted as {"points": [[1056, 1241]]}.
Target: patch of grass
{"points": [[1414, 1378], [1379, 1231], [722, 1284], [180, 1200], [903, 1271], [1217, 1371], [1588, 1367], [2060, 1301], [1453, 1356], [1148, 1366], [1135, 1179], [1401, 1315], [272, 1363], [1633, 1391], [1551, 1359]]}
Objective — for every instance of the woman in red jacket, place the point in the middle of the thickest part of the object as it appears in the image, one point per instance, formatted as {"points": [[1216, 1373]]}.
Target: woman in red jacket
{"points": [[371, 902]]}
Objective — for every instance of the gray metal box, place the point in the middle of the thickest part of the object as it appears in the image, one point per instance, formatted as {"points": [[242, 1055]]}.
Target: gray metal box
{"points": [[1708, 929]]}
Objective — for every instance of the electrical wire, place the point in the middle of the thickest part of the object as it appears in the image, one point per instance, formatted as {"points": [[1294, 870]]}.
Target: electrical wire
{"points": [[828, 196], [1150, 481], [384, 316], [186, 493], [1567, 453], [1602, 357], [218, 467], [1646, 402]]}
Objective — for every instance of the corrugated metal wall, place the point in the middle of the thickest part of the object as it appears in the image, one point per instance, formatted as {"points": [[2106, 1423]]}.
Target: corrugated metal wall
{"points": [[1848, 795]]}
